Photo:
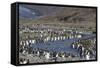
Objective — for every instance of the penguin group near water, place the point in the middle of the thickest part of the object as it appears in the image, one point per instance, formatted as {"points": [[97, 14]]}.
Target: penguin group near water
{"points": [[84, 52], [48, 35]]}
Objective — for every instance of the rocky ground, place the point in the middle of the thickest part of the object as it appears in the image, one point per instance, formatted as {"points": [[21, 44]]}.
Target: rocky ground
{"points": [[36, 59]]}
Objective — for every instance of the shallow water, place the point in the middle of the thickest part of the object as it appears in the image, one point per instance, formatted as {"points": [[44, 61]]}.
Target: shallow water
{"points": [[60, 45]]}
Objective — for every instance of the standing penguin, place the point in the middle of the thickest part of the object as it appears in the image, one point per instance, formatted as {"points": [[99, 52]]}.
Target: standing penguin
{"points": [[88, 56], [47, 55]]}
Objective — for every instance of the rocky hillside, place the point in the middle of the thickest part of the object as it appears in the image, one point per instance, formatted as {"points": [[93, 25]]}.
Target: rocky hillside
{"points": [[68, 16]]}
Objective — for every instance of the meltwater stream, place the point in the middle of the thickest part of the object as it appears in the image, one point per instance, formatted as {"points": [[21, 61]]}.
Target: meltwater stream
{"points": [[62, 45]]}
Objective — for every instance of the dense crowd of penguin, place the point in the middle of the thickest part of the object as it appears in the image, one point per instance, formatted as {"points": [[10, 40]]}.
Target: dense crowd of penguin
{"points": [[26, 47]]}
